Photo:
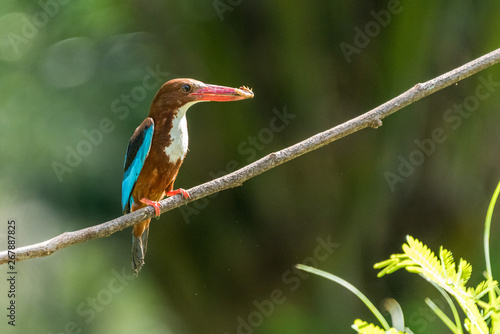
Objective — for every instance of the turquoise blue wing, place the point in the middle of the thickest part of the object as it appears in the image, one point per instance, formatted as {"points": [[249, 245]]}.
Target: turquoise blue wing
{"points": [[137, 152]]}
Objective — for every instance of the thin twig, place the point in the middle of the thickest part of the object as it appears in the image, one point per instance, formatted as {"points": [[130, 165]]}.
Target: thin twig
{"points": [[370, 119]]}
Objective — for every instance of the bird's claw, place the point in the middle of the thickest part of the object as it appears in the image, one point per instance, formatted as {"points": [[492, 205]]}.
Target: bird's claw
{"points": [[181, 191], [154, 204]]}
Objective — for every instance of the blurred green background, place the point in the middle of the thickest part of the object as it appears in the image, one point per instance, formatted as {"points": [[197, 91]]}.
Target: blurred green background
{"points": [[70, 70]]}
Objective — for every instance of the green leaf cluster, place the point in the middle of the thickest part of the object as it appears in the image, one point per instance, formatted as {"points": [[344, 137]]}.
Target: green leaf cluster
{"points": [[480, 303], [364, 327], [442, 271]]}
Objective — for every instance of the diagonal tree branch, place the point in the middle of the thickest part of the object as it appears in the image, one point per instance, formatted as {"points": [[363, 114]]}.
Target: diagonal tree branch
{"points": [[370, 119]]}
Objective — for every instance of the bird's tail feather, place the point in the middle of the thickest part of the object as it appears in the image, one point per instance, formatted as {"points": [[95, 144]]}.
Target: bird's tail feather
{"points": [[139, 248]]}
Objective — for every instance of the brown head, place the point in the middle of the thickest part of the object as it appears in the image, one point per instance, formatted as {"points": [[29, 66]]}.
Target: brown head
{"points": [[175, 93]]}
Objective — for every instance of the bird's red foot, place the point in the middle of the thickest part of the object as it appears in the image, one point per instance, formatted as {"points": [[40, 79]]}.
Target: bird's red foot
{"points": [[154, 204], [181, 191]]}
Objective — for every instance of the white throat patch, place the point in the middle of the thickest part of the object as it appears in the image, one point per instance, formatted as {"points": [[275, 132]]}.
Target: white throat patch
{"points": [[179, 135]]}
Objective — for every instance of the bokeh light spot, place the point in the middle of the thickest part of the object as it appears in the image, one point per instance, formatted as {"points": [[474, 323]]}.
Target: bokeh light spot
{"points": [[70, 63]]}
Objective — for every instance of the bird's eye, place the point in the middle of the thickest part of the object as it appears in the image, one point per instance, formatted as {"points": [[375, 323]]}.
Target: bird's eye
{"points": [[186, 88]]}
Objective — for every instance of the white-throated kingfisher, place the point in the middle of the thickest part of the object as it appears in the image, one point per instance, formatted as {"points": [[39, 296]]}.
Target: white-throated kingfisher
{"points": [[158, 147]]}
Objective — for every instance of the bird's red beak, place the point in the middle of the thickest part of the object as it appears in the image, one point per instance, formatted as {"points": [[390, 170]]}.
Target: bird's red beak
{"points": [[221, 93]]}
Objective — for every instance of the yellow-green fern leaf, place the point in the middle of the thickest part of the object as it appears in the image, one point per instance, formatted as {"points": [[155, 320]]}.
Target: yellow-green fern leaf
{"points": [[364, 327], [418, 258], [447, 263], [464, 272], [482, 289], [495, 323]]}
